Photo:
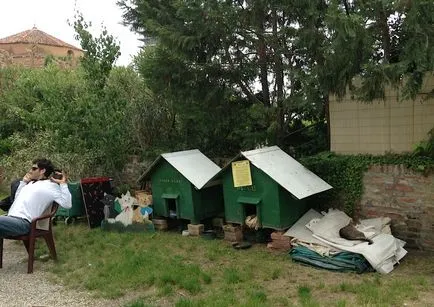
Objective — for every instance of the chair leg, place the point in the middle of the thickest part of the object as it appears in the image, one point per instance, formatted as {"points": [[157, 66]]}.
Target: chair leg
{"points": [[1, 253], [51, 246], [31, 250]]}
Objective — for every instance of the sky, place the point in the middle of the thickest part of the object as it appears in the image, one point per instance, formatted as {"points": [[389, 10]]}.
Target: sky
{"points": [[51, 16]]}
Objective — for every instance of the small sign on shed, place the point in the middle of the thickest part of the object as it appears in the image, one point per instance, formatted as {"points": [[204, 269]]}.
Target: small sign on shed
{"points": [[241, 173], [182, 187], [269, 184]]}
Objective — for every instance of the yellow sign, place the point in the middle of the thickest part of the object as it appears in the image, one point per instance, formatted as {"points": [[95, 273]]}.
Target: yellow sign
{"points": [[241, 173]]}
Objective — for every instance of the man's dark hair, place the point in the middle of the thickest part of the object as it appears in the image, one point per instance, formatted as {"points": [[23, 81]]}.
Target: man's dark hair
{"points": [[45, 164]]}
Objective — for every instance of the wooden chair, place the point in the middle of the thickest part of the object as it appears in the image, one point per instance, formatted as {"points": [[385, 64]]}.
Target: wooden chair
{"points": [[30, 238]]}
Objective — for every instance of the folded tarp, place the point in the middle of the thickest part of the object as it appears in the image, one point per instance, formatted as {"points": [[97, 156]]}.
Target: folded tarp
{"points": [[301, 235], [301, 232], [342, 262], [320, 233], [383, 254]]}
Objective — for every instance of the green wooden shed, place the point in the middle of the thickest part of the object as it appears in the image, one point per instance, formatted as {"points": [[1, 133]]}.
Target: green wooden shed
{"points": [[182, 187], [269, 184]]}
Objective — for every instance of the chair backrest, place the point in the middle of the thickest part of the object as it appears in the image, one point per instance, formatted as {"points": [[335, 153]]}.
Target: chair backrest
{"points": [[44, 221]]}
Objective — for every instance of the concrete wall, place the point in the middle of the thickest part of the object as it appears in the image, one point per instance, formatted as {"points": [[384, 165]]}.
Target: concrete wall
{"points": [[382, 126], [406, 197]]}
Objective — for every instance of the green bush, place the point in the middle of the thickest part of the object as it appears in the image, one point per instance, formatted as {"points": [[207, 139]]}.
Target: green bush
{"points": [[57, 114]]}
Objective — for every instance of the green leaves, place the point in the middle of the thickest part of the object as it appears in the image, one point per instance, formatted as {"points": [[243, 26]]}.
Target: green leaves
{"points": [[57, 113], [100, 53], [206, 52]]}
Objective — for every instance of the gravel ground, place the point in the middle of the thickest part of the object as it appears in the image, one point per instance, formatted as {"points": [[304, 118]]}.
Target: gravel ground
{"points": [[17, 288]]}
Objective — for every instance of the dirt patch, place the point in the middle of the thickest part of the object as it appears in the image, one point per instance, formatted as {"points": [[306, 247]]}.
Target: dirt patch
{"points": [[21, 289]]}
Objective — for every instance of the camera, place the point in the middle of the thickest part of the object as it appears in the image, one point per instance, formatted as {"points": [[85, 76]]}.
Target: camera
{"points": [[57, 174]]}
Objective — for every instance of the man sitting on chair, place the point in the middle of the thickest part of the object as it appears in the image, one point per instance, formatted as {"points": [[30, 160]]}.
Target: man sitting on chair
{"points": [[36, 192]]}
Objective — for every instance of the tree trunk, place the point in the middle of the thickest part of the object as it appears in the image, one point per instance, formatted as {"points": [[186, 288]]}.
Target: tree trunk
{"points": [[278, 72], [385, 35], [327, 118], [347, 9], [262, 54], [263, 74]]}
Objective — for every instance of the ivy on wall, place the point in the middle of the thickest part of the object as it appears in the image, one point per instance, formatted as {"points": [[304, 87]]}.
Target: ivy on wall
{"points": [[345, 174]]}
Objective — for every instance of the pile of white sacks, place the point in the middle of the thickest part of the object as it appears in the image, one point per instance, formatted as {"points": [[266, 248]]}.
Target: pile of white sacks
{"points": [[320, 233]]}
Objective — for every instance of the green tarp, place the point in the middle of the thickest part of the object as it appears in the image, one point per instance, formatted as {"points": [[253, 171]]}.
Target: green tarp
{"points": [[344, 261]]}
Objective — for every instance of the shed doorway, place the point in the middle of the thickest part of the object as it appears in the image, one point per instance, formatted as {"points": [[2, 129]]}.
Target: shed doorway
{"points": [[171, 205], [252, 224], [252, 216], [250, 206], [249, 210], [172, 208]]}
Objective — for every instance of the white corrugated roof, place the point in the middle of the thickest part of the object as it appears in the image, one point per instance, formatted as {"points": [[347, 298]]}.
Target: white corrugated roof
{"points": [[192, 164], [286, 171]]}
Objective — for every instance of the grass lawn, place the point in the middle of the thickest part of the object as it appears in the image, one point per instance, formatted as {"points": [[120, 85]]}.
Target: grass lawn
{"points": [[167, 269]]}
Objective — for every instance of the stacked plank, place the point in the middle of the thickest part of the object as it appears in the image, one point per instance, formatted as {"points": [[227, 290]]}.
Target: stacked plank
{"points": [[195, 229], [160, 224], [279, 241], [233, 233]]}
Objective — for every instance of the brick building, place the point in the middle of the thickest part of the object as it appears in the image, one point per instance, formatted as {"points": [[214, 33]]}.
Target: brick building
{"points": [[31, 48]]}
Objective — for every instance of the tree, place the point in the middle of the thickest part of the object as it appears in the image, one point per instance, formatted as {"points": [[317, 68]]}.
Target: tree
{"points": [[289, 56], [244, 46], [194, 109], [386, 43], [100, 53]]}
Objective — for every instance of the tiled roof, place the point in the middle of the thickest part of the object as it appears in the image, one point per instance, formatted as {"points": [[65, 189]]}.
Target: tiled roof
{"points": [[35, 36]]}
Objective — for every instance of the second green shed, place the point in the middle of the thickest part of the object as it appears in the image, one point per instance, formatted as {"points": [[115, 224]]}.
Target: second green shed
{"points": [[269, 185], [182, 186]]}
